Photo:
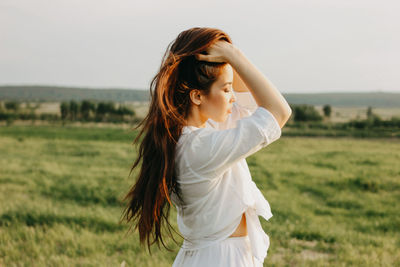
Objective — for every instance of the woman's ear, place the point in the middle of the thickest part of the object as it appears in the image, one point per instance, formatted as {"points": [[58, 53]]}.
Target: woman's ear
{"points": [[195, 96]]}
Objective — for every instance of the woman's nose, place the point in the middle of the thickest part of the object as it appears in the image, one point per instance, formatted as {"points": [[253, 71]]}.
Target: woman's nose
{"points": [[233, 98]]}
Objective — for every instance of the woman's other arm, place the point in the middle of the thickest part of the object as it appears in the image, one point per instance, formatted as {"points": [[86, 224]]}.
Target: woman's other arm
{"points": [[263, 91], [238, 84]]}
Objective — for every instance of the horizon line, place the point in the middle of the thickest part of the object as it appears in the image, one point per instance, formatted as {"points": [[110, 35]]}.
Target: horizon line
{"points": [[147, 89]]}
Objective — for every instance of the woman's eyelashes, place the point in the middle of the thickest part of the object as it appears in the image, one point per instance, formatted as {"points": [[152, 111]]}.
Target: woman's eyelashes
{"points": [[227, 90]]}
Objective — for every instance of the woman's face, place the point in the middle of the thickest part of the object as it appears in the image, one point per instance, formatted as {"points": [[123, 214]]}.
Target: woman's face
{"points": [[217, 105]]}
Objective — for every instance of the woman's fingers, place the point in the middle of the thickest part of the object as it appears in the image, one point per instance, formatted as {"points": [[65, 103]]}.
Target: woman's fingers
{"points": [[201, 57], [209, 58], [215, 53]]}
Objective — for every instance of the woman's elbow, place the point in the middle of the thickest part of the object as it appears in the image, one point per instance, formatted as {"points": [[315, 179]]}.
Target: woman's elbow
{"points": [[283, 117]]}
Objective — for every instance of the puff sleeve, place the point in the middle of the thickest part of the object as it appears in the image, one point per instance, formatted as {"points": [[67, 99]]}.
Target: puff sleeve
{"points": [[212, 152]]}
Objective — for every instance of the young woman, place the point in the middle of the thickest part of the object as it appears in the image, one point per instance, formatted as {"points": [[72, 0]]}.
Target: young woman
{"points": [[210, 109]]}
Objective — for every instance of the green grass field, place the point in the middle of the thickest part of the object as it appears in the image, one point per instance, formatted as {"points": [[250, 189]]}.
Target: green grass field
{"points": [[334, 200]]}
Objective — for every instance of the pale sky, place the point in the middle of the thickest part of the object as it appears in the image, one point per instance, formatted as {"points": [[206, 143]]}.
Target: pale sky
{"points": [[301, 46]]}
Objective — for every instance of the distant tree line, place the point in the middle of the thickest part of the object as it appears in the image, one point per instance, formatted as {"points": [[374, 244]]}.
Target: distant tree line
{"points": [[304, 113], [90, 111], [374, 121], [85, 110], [308, 114]]}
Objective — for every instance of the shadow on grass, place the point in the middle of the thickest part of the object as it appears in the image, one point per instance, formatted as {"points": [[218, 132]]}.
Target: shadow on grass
{"points": [[311, 236], [42, 219], [363, 184], [83, 194]]}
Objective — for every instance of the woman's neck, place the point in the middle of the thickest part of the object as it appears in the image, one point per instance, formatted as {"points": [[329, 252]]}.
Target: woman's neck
{"points": [[195, 119]]}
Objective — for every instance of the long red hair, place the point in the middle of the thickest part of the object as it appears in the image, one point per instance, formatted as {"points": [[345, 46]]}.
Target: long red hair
{"points": [[149, 199]]}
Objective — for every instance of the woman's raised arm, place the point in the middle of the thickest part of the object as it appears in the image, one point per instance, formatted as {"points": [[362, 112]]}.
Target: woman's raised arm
{"points": [[264, 92]]}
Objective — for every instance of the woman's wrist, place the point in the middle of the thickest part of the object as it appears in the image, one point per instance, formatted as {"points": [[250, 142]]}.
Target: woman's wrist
{"points": [[232, 52]]}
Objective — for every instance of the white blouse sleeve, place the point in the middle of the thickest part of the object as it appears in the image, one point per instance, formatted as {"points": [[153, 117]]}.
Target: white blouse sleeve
{"points": [[212, 152]]}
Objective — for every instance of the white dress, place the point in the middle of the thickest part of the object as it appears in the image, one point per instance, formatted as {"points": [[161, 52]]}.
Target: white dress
{"points": [[217, 188]]}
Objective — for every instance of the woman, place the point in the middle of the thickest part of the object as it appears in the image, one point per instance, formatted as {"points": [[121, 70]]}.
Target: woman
{"points": [[197, 135]]}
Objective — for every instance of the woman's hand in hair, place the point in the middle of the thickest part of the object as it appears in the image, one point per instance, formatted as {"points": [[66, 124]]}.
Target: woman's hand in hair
{"points": [[217, 52]]}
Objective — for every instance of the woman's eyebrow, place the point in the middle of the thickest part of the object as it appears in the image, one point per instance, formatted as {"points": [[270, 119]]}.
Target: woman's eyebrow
{"points": [[227, 83]]}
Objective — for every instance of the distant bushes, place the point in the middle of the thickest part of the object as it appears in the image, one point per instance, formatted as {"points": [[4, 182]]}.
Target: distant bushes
{"points": [[12, 105], [70, 111], [303, 113], [327, 109], [99, 112], [306, 116], [305, 120], [375, 122], [359, 124]]}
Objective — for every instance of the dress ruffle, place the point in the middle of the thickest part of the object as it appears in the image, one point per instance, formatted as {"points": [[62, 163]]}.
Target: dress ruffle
{"points": [[257, 206]]}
